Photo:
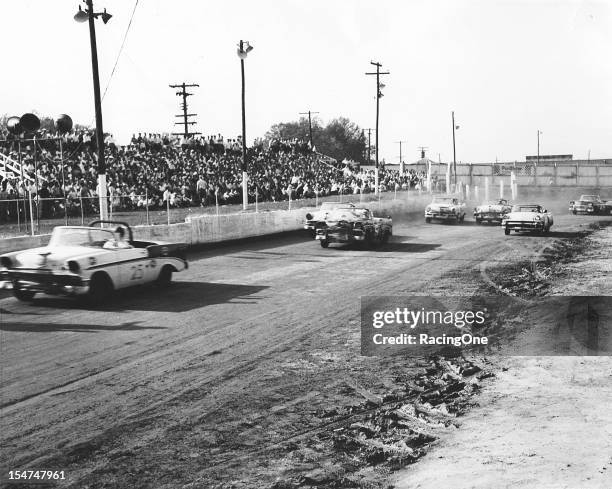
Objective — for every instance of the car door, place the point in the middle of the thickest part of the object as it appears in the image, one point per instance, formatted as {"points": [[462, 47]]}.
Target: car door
{"points": [[132, 263]]}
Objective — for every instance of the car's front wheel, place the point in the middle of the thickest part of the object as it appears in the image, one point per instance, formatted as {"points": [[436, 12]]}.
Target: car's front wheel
{"points": [[165, 276], [24, 295], [100, 289], [324, 243], [428, 220], [506, 231]]}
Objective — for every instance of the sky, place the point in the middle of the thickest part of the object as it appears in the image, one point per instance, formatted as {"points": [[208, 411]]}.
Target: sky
{"points": [[507, 68]]}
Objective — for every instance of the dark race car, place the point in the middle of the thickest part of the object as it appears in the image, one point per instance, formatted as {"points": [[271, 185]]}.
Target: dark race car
{"points": [[354, 225], [590, 204]]}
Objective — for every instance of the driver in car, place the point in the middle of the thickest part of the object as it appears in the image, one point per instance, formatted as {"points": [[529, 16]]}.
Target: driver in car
{"points": [[119, 241]]}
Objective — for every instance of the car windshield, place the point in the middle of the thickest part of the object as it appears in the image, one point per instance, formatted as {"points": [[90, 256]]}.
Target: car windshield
{"points": [[348, 214], [526, 208], [443, 200], [94, 237]]}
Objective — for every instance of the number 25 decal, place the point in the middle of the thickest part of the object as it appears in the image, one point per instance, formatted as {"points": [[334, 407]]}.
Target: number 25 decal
{"points": [[137, 272]]}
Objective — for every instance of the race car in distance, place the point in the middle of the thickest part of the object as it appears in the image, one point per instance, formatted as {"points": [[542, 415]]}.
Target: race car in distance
{"points": [[527, 217], [492, 211], [318, 217], [349, 225], [445, 208], [590, 204], [90, 261]]}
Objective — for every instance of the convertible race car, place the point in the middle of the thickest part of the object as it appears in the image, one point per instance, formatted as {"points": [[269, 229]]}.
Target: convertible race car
{"points": [[351, 225], [90, 261], [590, 204], [492, 211], [527, 217], [445, 208], [317, 218]]}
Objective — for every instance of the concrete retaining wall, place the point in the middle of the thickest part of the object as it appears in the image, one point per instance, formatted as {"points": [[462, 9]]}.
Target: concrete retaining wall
{"points": [[213, 229]]}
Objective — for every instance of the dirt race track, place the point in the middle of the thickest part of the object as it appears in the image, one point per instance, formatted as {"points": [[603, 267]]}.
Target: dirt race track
{"points": [[250, 356]]}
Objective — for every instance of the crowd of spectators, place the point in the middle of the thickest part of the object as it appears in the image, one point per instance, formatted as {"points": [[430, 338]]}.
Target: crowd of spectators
{"points": [[159, 170]]}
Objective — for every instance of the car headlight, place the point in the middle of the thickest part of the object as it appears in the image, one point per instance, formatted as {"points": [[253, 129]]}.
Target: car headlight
{"points": [[537, 218], [452, 209], [427, 209], [74, 266]]}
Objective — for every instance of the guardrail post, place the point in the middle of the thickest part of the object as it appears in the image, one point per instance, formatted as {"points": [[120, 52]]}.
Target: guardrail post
{"points": [[147, 204], [82, 210], [168, 208], [18, 214], [31, 214]]}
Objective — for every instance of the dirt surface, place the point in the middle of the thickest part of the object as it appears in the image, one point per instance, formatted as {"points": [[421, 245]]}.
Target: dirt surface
{"points": [[546, 421], [247, 372]]}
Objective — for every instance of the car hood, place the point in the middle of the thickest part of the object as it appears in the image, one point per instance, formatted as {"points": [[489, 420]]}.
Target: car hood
{"points": [[53, 257]]}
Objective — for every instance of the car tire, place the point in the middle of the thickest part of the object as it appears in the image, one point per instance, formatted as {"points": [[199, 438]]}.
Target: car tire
{"points": [[100, 289], [385, 238], [324, 243], [478, 221], [24, 295], [574, 212], [428, 220], [462, 218], [506, 231], [164, 279]]}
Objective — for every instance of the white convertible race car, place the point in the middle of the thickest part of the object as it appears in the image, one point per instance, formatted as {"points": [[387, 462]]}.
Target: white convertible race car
{"points": [[527, 217], [90, 261]]}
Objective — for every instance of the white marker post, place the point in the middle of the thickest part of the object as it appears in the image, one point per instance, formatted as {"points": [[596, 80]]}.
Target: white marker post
{"points": [[486, 182], [501, 189], [513, 185]]}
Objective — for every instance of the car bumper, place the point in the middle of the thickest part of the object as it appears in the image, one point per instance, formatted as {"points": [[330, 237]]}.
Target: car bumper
{"points": [[523, 226], [440, 216], [48, 283], [488, 216], [335, 237]]}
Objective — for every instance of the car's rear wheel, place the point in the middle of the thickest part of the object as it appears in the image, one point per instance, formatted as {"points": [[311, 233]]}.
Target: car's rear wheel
{"points": [[24, 295], [165, 276], [324, 243]]}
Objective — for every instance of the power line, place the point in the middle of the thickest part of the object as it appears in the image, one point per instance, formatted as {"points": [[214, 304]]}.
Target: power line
{"points": [[120, 49]]}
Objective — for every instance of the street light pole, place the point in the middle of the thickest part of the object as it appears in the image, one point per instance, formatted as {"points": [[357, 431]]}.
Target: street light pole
{"points": [[90, 15], [538, 160], [243, 48]]}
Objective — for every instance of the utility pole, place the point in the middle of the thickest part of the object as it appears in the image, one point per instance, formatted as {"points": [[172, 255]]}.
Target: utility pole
{"points": [[423, 148], [379, 94], [369, 144], [454, 153], [538, 160], [309, 125], [186, 122], [400, 144]]}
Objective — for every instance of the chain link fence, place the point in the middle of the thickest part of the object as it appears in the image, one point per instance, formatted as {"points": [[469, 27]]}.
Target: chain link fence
{"points": [[30, 216]]}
